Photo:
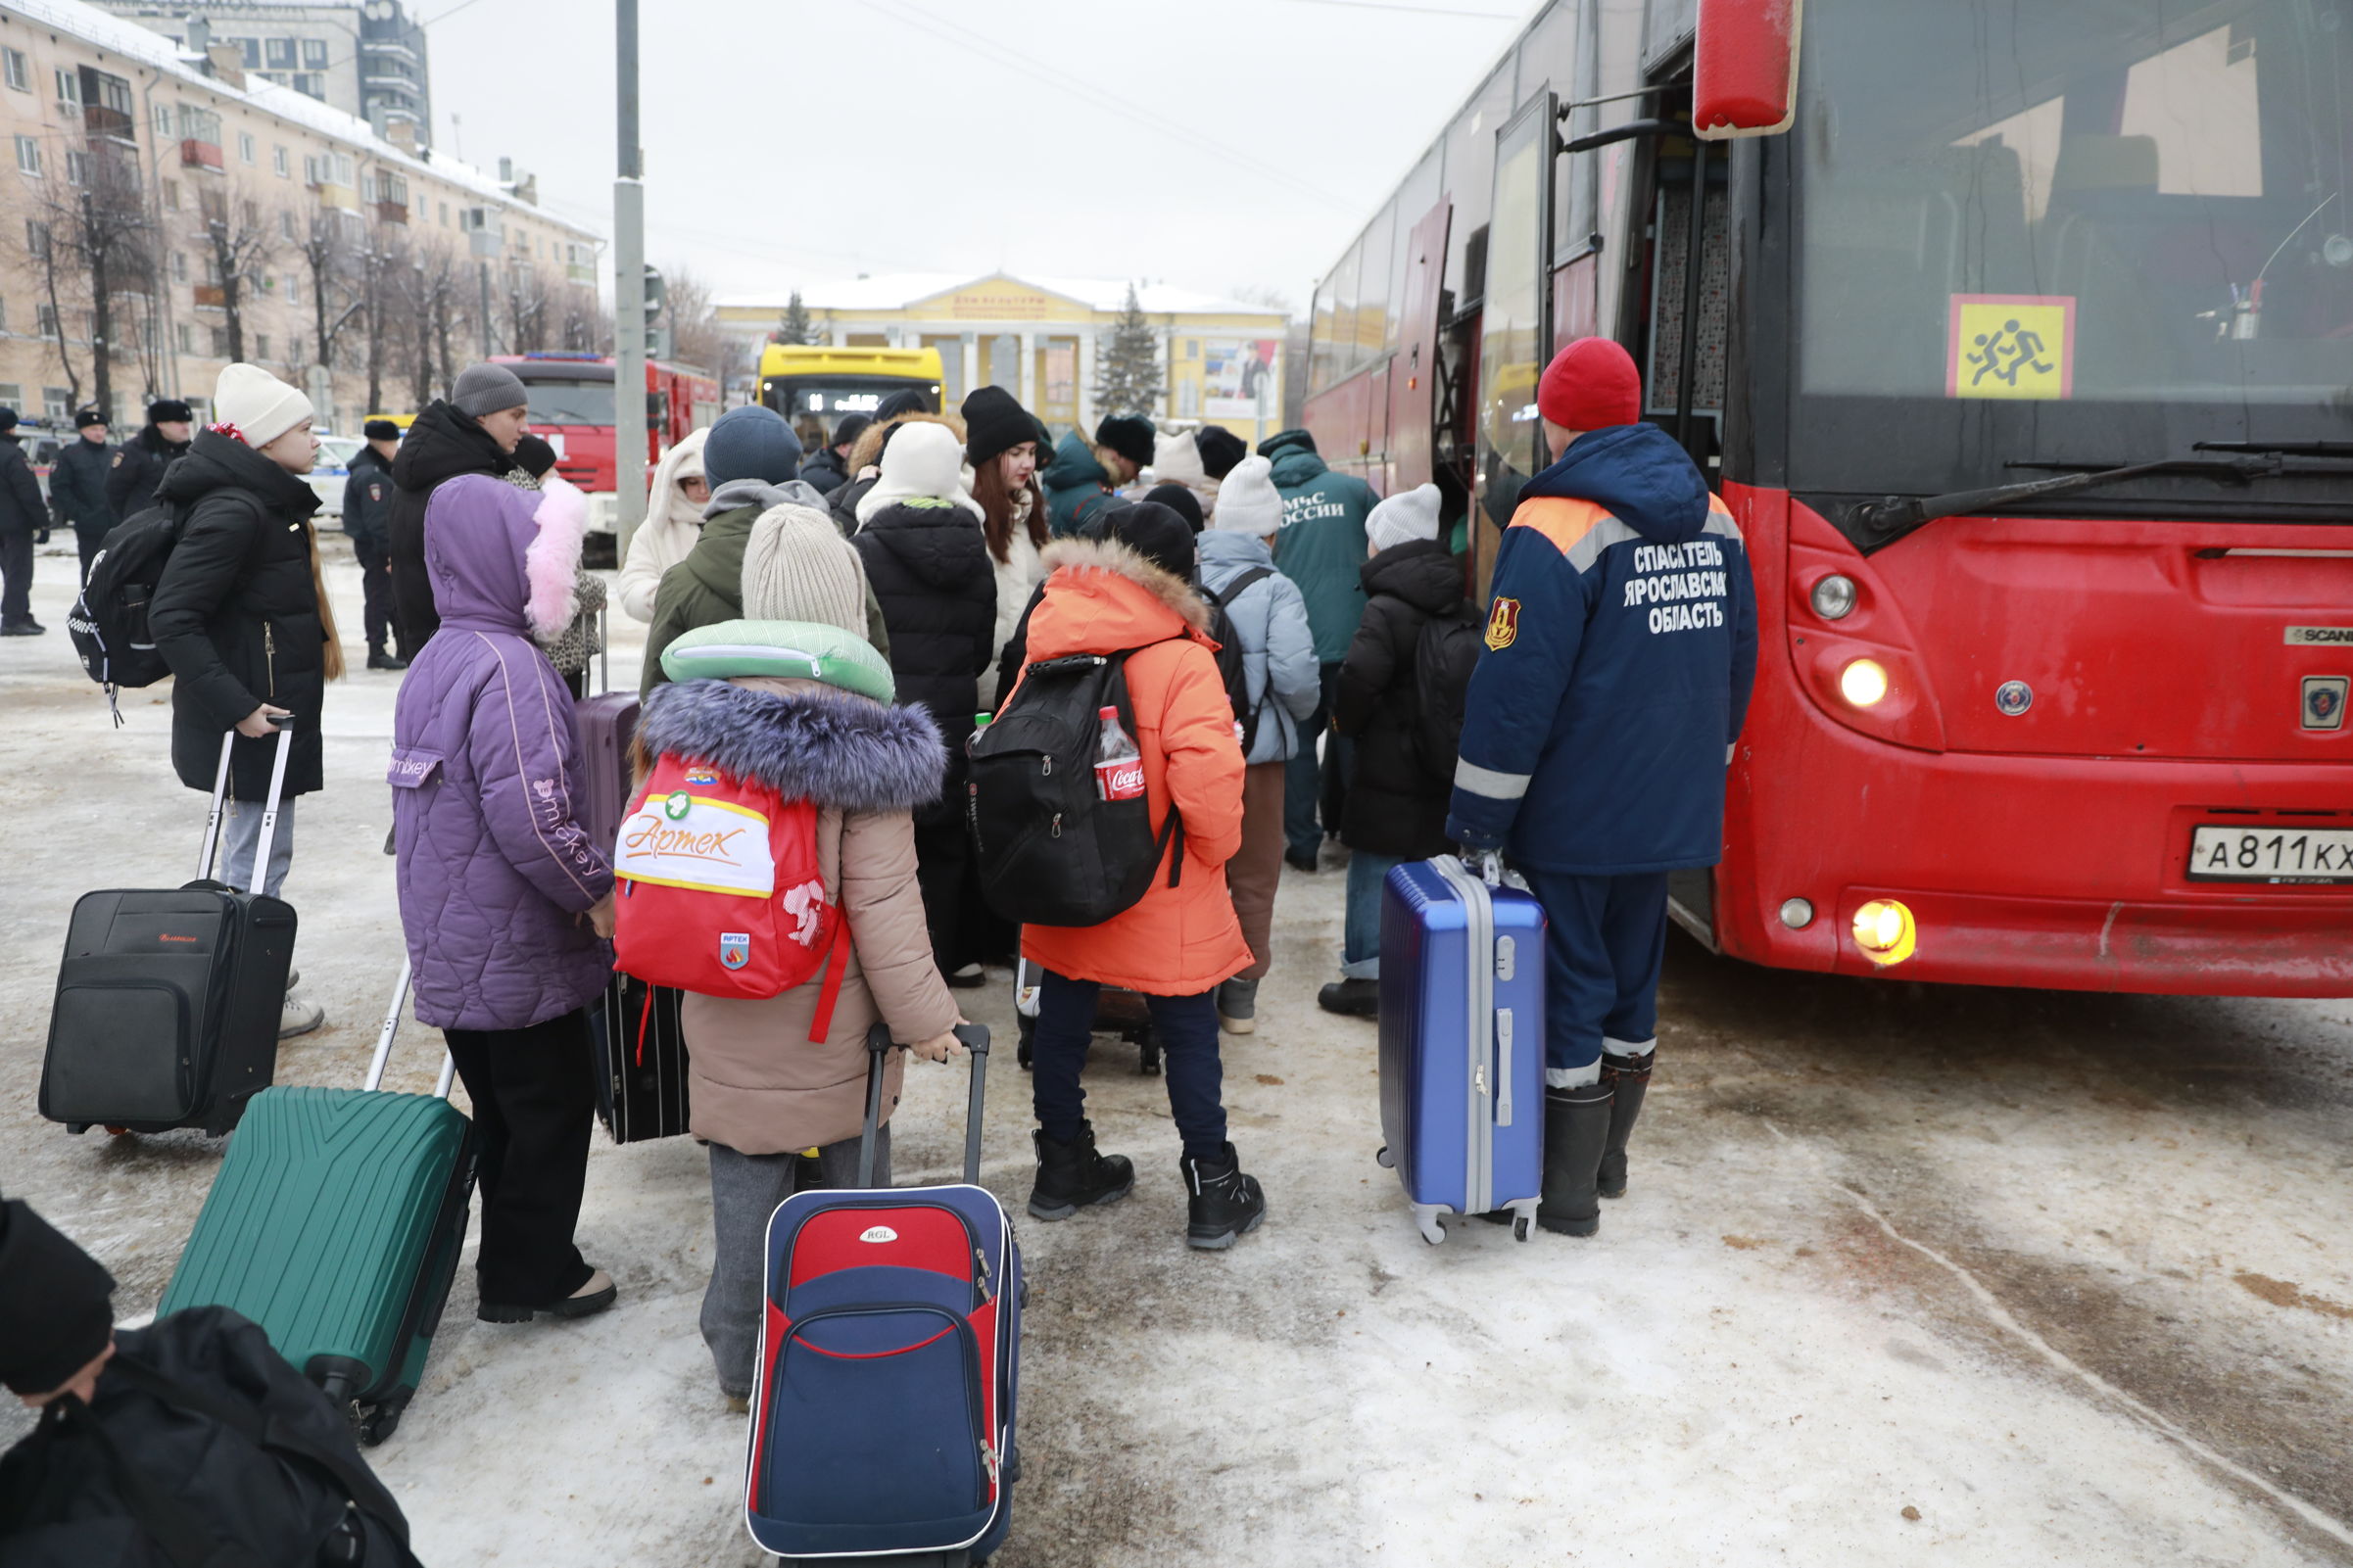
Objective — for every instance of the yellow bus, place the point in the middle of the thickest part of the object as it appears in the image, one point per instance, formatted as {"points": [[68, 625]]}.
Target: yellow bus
{"points": [[815, 385]]}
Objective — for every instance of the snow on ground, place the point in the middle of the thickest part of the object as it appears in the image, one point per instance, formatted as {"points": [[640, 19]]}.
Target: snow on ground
{"points": [[1906, 1274]]}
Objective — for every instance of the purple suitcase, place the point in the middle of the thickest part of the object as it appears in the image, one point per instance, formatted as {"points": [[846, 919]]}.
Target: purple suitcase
{"points": [[1462, 1043], [607, 723]]}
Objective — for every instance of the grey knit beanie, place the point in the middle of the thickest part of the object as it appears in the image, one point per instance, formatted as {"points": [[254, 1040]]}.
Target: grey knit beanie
{"points": [[488, 389], [797, 567]]}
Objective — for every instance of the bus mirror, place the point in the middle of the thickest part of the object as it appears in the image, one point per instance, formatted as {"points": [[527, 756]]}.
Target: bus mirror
{"points": [[1744, 68]]}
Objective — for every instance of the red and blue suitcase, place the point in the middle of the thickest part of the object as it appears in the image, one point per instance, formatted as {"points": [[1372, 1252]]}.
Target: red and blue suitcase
{"points": [[882, 1410], [1462, 1043]]}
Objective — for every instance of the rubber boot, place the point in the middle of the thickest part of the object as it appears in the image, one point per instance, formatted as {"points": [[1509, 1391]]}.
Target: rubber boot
{"points": [[1628, 1080], [1220, 1202], [1072, 1175], [1576, 1123]]}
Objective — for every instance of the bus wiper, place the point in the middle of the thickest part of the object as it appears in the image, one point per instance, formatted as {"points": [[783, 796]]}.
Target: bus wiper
{"points": [[1886, 521]]}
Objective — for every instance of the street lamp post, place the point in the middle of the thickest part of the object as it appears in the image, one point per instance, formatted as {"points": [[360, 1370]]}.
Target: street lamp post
{"points": [[629, 293]]}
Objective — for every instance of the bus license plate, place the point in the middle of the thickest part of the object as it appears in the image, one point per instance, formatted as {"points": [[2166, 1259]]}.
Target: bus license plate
{"points": [[2233, 853]]}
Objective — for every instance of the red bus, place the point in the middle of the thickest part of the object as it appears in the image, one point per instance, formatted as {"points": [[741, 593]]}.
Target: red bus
{"points": [[2087, 736], [572, 409]]}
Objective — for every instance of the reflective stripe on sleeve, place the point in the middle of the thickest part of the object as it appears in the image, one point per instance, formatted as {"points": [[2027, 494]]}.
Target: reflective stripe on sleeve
{"points": [[1486, 782]]}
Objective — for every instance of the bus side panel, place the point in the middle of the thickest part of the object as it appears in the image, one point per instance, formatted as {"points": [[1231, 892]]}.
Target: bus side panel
{"points": [[1412, 374], [1338, 420]]}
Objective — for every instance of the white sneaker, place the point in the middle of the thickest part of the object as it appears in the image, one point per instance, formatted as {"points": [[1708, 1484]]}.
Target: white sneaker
{"points": [[300, 1017], [294, 977]]}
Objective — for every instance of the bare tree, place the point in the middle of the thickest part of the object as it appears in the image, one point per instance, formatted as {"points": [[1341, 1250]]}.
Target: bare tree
{"points": [[90, 245], [383, 259], [60, 282], [696, 337], [326, 251], [530, 296], [432, 287], [239, 245], [587, 327]]}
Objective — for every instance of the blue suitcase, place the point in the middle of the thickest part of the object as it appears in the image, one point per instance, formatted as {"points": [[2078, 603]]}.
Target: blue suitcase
{"points": [[882, 1403], [1462, 1043]]}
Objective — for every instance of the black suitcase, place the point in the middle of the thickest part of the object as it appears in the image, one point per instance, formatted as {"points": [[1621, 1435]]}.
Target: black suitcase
{"points": [[168, 1000], [640, 1061]]}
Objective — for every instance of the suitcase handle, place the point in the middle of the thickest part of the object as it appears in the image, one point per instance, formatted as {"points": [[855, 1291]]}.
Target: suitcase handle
{"points": [[879, 1046], [269, 808], [392, 1028]]}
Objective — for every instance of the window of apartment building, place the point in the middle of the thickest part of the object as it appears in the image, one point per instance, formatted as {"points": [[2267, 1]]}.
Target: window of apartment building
{"points": [[310, 84], [18, 69], [77, 167], [171, 196], [294, 288], [3, 332], [179, 266], [314, 54], [29, 155], [36, 238], [162, 121], [368, 188], [220, 343], [68, 88], [45, 318], [250, 48], [444, 215], [12, 393], [57, 404], [246, 153], [187, 338], [279, 162], [252, 214], [285, 225], [281, 52], [261, 345]]}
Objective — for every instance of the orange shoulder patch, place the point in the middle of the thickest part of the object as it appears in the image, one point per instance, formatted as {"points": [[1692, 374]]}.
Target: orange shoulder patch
{"points": [[1560, 519]]}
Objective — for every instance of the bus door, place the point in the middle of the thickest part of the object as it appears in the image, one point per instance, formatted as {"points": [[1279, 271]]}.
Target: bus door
{"points": [[1514, 329], [1684, 304], [1414, 373]]}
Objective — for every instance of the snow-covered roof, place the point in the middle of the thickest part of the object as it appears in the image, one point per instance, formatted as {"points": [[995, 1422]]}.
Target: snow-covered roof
{"points": [[896, 291], [128, 39]]}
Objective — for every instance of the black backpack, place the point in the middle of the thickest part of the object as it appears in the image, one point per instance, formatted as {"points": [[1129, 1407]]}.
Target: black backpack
{"points": [[1231, 666], [1049, 851], [109, 620], [203, 1446], [1445, 651]]}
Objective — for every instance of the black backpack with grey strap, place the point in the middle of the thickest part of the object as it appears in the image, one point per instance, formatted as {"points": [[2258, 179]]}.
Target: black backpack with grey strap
{"points": [[109, 621], [1231, 668], [1049, 851]]}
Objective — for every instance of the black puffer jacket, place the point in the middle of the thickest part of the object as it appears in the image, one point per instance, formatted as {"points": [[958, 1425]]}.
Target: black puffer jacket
{"points": [[77, 487], [440, 445], [138, 469], [928, 566], [825, 472], [1396, 804], [236, 615]]}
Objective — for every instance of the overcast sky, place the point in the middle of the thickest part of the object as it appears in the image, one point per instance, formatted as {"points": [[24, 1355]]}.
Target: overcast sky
{"points": [[1231, 143]]}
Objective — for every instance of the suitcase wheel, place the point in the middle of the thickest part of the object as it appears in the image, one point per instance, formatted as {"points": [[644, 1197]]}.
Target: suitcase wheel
{"points": [[77, 1129], [1384, 1158], [1522, 1229], [379, 1421], [1022, 1050], [1432, 1231], [1148, 1054]]}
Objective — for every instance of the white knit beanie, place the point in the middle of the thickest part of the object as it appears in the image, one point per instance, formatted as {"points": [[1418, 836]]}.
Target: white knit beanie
{"points": [[1404, 518], [797, 567], [1176, 461], [261, 406], [1247, 500], [924, 462]]}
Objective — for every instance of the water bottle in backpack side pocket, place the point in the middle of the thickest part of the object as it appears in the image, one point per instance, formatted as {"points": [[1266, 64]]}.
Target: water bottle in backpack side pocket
{"points": [[1119, 765]]}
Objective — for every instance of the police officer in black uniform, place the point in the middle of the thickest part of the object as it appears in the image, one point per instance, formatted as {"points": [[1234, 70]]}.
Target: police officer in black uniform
{"points": [[367, 519]]}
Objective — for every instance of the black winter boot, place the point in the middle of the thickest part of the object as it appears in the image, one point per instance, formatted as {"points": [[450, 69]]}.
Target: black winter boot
{"points": [[1220, 1202], [1576, 1123], [1072, 1175], [1627, 1078]]}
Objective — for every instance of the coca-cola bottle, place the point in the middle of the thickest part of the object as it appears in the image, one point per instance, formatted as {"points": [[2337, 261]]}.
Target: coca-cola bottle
{"points": [[1118, 766]]}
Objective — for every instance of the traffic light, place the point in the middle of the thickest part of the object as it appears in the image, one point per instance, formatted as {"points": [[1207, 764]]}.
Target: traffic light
{"points": [[657, 299]]}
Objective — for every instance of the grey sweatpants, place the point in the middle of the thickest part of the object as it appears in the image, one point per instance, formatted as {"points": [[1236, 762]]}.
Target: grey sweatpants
{"points": [[745, 1190]]}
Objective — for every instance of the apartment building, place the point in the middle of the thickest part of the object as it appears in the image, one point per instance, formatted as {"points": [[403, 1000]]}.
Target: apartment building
{"points": [[177, 211], [365, 57]]}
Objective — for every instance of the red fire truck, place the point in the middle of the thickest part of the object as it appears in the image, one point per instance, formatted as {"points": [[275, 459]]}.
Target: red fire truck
{"points": [[572, 410], [2025, 359]]}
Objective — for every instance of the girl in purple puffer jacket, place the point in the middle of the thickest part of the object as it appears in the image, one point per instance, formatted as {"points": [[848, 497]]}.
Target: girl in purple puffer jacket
{"points": [[505, 898]]}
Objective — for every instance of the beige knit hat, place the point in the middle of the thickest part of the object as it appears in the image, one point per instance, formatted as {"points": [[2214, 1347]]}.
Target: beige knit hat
{"points": [[797, 567], [258, 403]]}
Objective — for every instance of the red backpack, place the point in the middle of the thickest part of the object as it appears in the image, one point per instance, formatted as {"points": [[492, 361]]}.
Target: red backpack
{"points": [[719, 890]]}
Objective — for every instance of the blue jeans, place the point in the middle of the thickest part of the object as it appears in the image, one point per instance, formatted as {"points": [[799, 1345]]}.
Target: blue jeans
{"points": [[1604, 940], [241, 838], [1311, 783], [1360, 945], [1187, 1029]]}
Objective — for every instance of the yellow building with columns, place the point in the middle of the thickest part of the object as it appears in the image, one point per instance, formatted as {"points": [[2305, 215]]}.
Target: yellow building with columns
{"points": [[1039, 338]]}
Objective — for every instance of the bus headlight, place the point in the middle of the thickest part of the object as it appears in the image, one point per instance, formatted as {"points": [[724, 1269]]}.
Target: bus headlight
{"points": [[1834, 598], [1885, 931], [1864, 683]]}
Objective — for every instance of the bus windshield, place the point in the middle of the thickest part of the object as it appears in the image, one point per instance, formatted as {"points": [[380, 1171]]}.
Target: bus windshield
{"points": [[572, 403], [815, 405], [2084, 230]]}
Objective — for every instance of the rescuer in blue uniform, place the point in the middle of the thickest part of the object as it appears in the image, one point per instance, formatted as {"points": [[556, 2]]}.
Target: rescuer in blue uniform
{"points": [[1621, 642]]}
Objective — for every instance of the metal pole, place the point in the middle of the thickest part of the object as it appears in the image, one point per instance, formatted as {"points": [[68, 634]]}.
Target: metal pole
{"points": [[629, 294], [1687, 380], [489, 349]]}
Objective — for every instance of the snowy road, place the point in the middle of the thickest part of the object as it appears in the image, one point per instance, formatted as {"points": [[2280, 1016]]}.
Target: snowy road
{"points": [[1906, 1274]]}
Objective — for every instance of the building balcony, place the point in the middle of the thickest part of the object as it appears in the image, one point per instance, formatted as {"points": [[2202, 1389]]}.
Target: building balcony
{"points": [[211, 297], [340, 197], [194, 154], [580, 272], [99, 121], [392, 212]]}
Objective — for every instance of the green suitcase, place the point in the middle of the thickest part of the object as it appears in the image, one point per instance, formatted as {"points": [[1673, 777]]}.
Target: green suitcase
{"points": [[336, 1223]]}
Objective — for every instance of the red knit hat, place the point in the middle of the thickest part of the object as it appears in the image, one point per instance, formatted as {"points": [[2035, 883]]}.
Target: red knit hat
{"points": [[1591, 385]]}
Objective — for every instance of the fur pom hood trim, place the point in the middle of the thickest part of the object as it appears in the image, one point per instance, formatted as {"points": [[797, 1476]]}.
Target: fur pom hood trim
{"points": [[551, 560], [1123, 560], [837, 749]]}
